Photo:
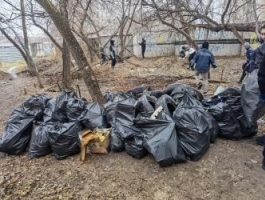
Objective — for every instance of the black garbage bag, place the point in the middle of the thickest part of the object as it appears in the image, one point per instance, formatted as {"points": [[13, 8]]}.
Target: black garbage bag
{"points": [[108, 96], [192, 124], [246, 129], [16, 136], [213, 128], [63, 138], [116, 142], [122, 126], [49, 110], [168, 103], [160, 139], [94, 117], [156, 93], [17, 132], [35, 105], [110, 106], [138, 91], [76, 109], [252, 107], [225, 118], [178, 90], [228, 92], [39, 142], [146, 104], [134, 146], [56, 109]]}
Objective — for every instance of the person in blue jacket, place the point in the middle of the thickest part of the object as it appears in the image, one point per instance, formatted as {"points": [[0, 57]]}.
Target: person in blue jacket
{"points": [[201, 64], [246, 65]]}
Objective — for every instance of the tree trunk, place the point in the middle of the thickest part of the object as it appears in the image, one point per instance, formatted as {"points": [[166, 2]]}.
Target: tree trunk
{"points": [[30, 61], [24, 26], [76, 50], [66, 56]]}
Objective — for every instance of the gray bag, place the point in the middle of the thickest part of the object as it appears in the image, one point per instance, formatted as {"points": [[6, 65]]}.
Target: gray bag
{"points": [[250, 102]]}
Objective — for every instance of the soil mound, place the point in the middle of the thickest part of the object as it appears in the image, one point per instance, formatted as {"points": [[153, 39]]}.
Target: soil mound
{"points": [[5, 76]]}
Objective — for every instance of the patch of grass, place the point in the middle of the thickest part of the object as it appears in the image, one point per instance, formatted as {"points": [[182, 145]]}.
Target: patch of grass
{"points": [[20, 65]]}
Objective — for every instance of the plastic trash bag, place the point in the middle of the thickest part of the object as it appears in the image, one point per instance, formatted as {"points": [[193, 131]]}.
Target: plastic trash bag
{"points": [[75, 109], [108, 96], [192, 124], [246, 129], [138, 91], [168, 103], [49, 110], [146, 104], [225, 118], [16, 136], [122, 126], [93, 117], [35, 105], [110, 106], [228, 92], [178, 90], [63, 138], [160, 139], [156, 93], [56, 110], [39, 143], [134, 146], [252, 107]]}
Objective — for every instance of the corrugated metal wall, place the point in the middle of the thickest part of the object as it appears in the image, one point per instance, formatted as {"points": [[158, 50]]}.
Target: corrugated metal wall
{"points": [[9, 54]]}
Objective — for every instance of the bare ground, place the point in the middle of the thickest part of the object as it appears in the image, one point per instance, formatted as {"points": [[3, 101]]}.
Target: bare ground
{"points": [[229, 170]]}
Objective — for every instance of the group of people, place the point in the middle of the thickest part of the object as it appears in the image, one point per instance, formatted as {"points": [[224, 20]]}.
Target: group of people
{"points": [[200, 61], [255, 59]]}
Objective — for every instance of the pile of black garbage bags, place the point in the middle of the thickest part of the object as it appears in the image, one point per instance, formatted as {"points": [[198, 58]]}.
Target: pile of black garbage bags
{"points": [[173, 125], [44, 125]]}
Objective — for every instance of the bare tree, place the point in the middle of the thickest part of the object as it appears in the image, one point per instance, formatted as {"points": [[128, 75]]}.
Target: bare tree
{"points": [[8, 22], [76, 50], [84, 26], [184, 15], [66, 56], [44, 24]]}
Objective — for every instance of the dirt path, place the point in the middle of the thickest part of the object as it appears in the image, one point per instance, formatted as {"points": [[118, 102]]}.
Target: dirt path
{"points": [[229, 170]]}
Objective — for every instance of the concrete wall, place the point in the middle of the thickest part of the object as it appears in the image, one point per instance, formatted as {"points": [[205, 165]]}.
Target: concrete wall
{"points": [[41, 49], [105, 41], [222, 43], [9, 54], [157, 44]]}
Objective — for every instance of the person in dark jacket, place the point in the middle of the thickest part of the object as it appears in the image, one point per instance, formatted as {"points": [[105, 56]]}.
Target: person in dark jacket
{"points": [[261, 82], [259, 52], [102, 56], [188, 52], [245, 66], [258, 61], [143, 47], [201, 63], [112, 54]]}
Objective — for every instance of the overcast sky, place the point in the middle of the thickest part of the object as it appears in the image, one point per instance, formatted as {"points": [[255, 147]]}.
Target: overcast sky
{"points": [[8, 11]]}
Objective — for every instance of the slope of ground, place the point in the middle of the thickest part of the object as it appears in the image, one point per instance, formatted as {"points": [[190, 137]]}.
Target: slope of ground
{"points": [[229, 170]]}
